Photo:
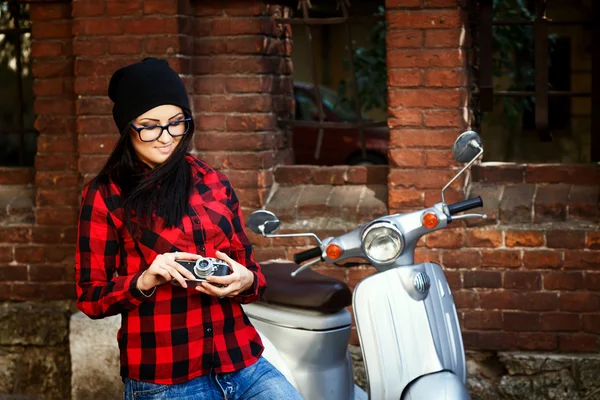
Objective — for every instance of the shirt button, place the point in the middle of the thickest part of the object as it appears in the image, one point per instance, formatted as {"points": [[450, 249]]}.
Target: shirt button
{"points": [[196, 221], [208, 330]]}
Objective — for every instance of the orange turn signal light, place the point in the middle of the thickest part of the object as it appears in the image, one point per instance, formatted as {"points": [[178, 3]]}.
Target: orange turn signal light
{"points": [[430, 220], [333, 251]]}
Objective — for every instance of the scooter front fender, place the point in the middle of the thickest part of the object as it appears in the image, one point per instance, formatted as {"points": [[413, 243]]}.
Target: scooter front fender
{"points": [[441, 385], [408, 328]]}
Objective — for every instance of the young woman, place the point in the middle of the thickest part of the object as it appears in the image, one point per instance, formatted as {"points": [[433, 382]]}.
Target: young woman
{"points": [[154, 203]]}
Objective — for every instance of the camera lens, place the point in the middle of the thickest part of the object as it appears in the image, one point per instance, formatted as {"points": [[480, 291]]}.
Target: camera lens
{"points": [[203, 264]]}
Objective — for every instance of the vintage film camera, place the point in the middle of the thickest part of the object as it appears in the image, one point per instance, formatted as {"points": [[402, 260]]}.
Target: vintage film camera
{"points": [[204, 267]]}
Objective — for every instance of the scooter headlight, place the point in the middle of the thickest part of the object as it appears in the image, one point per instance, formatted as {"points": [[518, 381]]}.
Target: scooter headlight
{"points": [[382, 242]]}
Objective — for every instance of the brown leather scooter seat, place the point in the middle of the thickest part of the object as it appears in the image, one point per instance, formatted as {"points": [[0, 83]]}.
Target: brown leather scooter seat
{"points": [[309, 290]]}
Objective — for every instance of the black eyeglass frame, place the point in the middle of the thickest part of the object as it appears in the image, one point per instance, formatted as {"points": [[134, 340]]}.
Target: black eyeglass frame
{"points": [[162, 129]]}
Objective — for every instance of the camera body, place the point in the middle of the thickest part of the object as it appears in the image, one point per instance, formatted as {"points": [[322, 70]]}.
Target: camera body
{"points": [[205, 267]]}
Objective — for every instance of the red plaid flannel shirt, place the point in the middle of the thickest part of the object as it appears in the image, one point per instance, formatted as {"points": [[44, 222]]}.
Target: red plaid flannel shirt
{"points": [[176, 334]]}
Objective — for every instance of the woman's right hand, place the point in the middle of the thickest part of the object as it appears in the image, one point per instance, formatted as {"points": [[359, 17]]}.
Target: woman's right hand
{"points": [[164, 269]]}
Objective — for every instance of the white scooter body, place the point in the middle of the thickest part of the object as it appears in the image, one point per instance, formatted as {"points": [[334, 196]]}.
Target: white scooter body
{"points": [[405, 316]]}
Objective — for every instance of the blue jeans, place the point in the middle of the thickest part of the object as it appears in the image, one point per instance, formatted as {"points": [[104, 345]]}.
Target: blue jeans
{"points": [[261, 381]]}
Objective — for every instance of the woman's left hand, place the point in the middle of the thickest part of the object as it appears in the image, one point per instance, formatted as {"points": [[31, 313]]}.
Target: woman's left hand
{"points": [[240, 279]]}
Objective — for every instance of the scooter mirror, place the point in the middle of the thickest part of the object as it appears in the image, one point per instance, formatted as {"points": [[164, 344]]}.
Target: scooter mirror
{"points": [[263, 222], [463, 150]]}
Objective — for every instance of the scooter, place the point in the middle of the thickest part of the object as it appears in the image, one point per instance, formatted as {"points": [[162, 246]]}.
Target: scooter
{"points": [[405, 314]]}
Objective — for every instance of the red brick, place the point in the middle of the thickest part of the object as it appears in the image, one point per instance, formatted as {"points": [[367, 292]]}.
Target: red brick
{"points": [[251, 84], [483, 320], [94, 106], [559, 322], [92, 27], [52, 69], [499, 299], [591, 323], [439, 158], [563, 281], [579, 342], [241, 26], [443, 38], [6, 254], [443, 118], [520, 321], [425, 58], [124, 45], [55, 162], [542, 259], [241, 103], [425, 255], [423, 19], [54, 235], [60, 253], [407, 157], [501, 258], [446, 239], [537, 341], [89, 46], [390, 4], [95, 125], [419, 178], [120, 8], [583, 203], [48, 87], [151, 25], [29, 254], [13, 273], [565, 239], [565, 174], [15, 234], [537, 301], [398, 198], [444, 77], [51, 29], [90, 85], [551, 203], [582, 259], [152, 7], [329, 176], [428, 98], [97, 144], [497, 340], [57, 216], [62, 197], [498, 173], [465, 259], [404, 38], [483, 238], [28, 291], [482, 279], [524, 239], [454, 279], [580, 302], [60, 291], [465, 299], [592, 281], [524, 280], [46, 49], [16, 176], [401, 117], [49, 12], [422, 138], [56, 106], [56, 144], [88, 9]]}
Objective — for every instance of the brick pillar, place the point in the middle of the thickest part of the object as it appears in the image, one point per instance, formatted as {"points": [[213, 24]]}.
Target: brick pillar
{"points": [[242, 84], [50, 259], [109, 35], [427, 79]]}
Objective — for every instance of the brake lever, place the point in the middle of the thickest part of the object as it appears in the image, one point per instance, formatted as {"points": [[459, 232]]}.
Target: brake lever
{"points": [[305, 266], [469, 216]]}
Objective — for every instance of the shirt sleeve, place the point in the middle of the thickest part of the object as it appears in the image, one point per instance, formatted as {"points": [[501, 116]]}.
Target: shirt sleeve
{"points": [[99, 293], [245, 257]]}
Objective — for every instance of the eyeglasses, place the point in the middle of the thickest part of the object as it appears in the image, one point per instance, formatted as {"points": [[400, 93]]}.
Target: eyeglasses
{"points": [[152, 133]]}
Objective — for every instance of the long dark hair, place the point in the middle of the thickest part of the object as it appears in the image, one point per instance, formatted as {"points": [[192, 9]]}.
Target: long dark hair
{"points": [[163, 191]]}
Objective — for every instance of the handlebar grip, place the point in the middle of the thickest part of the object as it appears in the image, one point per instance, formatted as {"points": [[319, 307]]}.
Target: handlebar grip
{"points": [[307, 255], [465, 205]]}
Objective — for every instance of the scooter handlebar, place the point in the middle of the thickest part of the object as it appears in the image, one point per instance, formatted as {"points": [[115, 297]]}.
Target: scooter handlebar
{"points": [[465, 205], [307, 255]]}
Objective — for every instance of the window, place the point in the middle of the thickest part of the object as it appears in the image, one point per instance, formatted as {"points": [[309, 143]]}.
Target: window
{"points": [[339, 83], [17, 136], [534, 72]]}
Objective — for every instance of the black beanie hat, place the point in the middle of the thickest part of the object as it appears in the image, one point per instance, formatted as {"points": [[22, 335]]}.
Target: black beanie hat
{"points": [[142, 86]]}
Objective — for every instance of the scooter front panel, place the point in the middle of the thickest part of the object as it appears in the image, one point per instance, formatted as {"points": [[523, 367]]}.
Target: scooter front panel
{"points": [[408, 327]]}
